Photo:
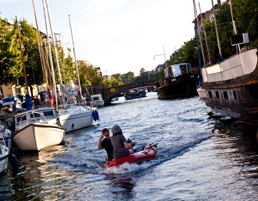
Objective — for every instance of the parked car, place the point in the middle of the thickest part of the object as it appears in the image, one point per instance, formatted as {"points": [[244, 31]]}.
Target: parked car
{"points": [[10, 100]]}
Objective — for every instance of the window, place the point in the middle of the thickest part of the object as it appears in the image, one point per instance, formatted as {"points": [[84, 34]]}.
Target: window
{"points": [[18, 90], [183, 69], [225, 95], [234, 94], [217, 94], [210, 94]]}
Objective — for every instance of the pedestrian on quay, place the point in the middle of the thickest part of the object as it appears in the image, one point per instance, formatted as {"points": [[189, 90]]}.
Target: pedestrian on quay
{"points": [[17, 107]]}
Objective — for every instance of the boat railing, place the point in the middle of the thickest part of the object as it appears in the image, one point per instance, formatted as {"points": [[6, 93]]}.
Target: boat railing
{"points": [[2, 130], [233, 67], [29, 117]]}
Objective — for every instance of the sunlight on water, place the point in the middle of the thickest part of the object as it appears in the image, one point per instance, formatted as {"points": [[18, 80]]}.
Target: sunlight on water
{"points": [[198, 158]]}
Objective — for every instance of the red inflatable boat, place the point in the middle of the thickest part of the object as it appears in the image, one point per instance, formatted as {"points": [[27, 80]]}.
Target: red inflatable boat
{"points": [[144, 154]]}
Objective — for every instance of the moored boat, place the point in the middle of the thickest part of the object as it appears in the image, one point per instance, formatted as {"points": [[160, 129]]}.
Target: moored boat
{"points": [[5, 154], [6, 134], [231, 86], [97, 100], [135, 93], [146, 153], [180, 82], [34, 132], [77, 117]]}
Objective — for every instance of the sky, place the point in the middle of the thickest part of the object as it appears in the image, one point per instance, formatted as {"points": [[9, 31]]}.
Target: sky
{"points": [[116, 35]]}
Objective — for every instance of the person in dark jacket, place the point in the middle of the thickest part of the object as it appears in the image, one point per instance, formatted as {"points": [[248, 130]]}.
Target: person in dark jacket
{"points": [[120, 145]]}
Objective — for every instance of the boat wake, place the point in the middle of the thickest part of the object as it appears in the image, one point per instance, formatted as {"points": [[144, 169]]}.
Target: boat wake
{"points": [[87, 162]]}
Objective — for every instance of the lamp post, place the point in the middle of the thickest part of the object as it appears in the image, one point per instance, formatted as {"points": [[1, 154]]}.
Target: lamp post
{"points": [[161, 55]]}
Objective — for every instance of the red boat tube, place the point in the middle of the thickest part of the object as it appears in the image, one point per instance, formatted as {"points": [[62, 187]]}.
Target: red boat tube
{"points": [[147, 153]]}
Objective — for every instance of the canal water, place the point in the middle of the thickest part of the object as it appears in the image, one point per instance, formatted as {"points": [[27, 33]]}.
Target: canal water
{"points": [[199, 158]]}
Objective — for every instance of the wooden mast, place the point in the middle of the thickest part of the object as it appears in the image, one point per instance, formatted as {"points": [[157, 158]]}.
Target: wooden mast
{"points": [[78, 77], [50, 58], [42, 60]]}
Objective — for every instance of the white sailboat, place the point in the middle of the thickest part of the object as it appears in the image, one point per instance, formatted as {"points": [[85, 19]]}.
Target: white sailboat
{"points": [[71, 117], [75, 117]]}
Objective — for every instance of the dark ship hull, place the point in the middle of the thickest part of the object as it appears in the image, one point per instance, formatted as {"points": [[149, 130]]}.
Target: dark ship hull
{"points": [[231, 87], [183, 86]]}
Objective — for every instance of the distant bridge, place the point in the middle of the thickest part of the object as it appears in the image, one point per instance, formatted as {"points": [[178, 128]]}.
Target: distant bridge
{"points": [[109, 93]]}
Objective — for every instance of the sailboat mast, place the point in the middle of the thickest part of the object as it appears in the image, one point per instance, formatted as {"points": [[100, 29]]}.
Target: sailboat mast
{"points": [[197, 42], [76, 63], [199, 33], [55, 48], [21, 49], [234, 24], [50, 56], [42, 60], [216, 29], [165, 56], [205, 37]]}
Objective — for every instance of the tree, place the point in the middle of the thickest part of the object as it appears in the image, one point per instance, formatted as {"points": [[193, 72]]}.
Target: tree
{"points": [[143, 76], [112, 82], [28, 39], [118, 77], [246, 17], [10, 56], [128, 78], [88, 74], [67, 67]]}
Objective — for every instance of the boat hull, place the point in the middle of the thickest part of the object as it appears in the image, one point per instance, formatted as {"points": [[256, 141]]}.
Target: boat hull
{"points": [[3, 159], [183, 86], [148, 153], [232, 89], [139, 95], [36, 136], [71, 119], [99, 103]]}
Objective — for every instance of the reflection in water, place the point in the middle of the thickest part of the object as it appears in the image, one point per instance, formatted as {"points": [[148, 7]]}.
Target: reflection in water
{"points": [[37, 176], [240, 145], [122, 185]]}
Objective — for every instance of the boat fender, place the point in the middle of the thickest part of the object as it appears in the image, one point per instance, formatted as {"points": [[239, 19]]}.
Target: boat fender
{"points": [[14, 163], [95, 115]]}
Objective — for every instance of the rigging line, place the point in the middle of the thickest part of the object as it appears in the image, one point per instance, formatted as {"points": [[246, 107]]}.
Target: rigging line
{"points": [[42, 60], [56, 54], [50, 58]]}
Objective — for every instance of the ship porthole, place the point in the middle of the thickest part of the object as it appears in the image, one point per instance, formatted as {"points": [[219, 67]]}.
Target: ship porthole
{"points": [[217, 94], [210, 94], [234, 94], [225, 95]]}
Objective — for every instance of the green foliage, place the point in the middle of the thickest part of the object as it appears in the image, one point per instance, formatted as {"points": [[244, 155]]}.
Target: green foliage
{"points": [[128, 78], [118, 77], [113, 82], [10, 57], [67, 67], [11, 54], [30, 51], [88, 74], [246, 17]]}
